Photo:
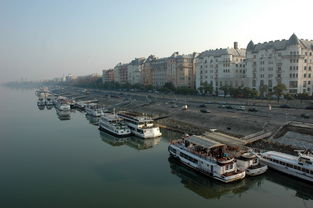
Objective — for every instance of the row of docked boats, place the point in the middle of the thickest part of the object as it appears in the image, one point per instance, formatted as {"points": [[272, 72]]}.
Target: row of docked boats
{"points": [[215, 160], [125, 123], [202, 154]]}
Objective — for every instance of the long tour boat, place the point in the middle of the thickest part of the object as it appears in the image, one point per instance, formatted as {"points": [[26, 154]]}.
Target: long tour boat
{"points": [[250, 163], [206, 156], [300, 166], [114, 125], [62, 104], [140, 125]]}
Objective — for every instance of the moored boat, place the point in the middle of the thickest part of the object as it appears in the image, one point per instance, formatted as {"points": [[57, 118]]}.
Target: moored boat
{"points": [[300, 166], [114, 125], [41, 102], [140, 125], [94, 109], [61, 103], [49, 101], [250, 163], [206, 156]]}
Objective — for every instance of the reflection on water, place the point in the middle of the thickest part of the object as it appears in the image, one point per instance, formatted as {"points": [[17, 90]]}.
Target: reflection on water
{"points": [[141, 144], [112, 140], [132, 141], [41, 107], [92, 119], [49, 107], [304, 190], [209, 188], [63, 115]]}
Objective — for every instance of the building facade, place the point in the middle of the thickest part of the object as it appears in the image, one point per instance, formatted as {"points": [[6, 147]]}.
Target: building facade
{"points": [[107, 75], [221, 67], [181, 70], [159, 72], [289, 62], [120, 73], [135, 71], [147, 70]]}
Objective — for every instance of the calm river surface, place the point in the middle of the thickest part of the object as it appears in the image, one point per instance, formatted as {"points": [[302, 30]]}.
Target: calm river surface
{"points": [[48, 162]]}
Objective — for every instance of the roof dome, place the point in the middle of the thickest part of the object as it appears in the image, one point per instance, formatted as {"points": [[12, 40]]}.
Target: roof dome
{"points": [[293, 40], [250, 46]]}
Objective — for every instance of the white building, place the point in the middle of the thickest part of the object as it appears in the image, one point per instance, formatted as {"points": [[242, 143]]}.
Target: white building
{"points": [[221, 67], [135, 70], [282, 61]]}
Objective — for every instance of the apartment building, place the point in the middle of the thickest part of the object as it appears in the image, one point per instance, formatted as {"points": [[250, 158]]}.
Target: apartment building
{"points": [[147, 70], [159, 71], [281, 61], [107, 75], [120, 73], [135, 71], [224, 66], [181, 70]]}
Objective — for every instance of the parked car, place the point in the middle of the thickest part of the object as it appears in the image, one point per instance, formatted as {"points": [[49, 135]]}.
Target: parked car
{"points": [[252, 110], [241, 108], [229, 107], [202, 106], [305, 115], [310, 107], [284, 106], [204, 110]]}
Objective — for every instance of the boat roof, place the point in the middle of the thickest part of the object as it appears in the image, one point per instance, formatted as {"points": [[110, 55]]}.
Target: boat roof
{"points": [[138, 117], [280, 155], [111, 117], [203, 141]]}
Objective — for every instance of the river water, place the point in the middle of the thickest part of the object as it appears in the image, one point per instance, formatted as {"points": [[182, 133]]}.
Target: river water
{"points": [[47, 161]]}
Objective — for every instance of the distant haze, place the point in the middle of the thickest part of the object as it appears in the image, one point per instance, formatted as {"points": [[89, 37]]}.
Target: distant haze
{"points": [[46, 39]]}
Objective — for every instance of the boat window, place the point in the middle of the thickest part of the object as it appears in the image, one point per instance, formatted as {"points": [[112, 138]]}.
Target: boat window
{"points": [[305, 170], [188, 158], [172, 149]]}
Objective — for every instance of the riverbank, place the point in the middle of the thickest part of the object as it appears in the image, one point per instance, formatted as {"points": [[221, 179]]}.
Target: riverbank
{"points": [[168, 112]]}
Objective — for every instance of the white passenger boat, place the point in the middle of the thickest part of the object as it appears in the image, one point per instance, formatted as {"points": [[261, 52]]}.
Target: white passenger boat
{"points": [[114, 125], [140, 125], [206, 156], [63, 114], [94, 109], [300, 166], [49, 101], [62, 104], [250, 163], [41, 102]]}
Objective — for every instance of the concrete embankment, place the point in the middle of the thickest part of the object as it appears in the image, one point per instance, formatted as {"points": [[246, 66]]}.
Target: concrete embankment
{"points": [[235, 127]]}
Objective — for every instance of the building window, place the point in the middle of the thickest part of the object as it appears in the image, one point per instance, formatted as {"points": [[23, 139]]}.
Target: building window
{"points": [[304, 75], [270, 83]]}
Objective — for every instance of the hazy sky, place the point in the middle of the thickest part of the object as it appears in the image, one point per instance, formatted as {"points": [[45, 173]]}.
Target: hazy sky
{"points": [[46, 39]]}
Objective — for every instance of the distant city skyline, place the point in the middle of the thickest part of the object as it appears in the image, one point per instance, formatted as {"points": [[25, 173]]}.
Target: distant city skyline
{"points": [[45, 39]]}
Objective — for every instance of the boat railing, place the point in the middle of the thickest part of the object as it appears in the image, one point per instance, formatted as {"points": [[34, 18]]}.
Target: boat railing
{"points": [[203, 155]]}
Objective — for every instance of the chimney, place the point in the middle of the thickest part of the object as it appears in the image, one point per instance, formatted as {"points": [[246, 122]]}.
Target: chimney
{"points": [[236, 45]]}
